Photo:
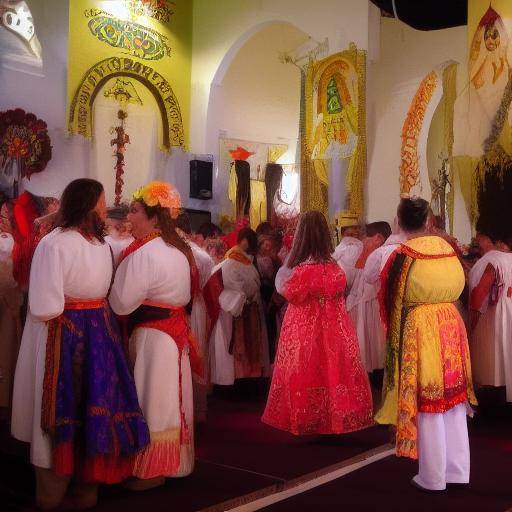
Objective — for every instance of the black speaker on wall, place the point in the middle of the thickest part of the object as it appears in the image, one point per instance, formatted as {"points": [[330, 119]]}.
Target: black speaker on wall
{"points": [[201, 179]]}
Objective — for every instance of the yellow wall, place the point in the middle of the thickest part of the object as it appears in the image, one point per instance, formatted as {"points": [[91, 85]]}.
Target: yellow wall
{"points": [[85, 49]]}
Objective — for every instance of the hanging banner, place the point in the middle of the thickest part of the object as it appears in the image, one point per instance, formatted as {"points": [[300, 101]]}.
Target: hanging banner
{"points": [[335, 130]]}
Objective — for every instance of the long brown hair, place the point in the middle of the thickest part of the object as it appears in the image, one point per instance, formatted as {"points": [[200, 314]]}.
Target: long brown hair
{"points": [[167, 226], [76, 208], [312, 240]]}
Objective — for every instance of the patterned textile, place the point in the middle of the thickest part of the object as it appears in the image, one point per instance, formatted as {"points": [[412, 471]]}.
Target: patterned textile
{"points": [[427, 365], [163, 455], [246, 342], [319, 385], [90, 407]]}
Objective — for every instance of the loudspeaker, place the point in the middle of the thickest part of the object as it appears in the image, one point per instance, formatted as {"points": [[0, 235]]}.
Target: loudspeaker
{"points": [[201, 179]]}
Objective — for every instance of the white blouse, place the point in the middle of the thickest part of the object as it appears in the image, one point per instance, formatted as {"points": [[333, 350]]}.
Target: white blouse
{"points": [[65, 264], [157, 272]]}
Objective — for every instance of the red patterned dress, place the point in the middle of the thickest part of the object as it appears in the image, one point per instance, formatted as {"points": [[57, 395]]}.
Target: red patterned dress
{"points": [[319, 385]]}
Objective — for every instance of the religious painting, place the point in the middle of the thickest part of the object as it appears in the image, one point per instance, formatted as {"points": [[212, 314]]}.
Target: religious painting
{"points": [[488, 74], [335, 132], [483, 119]]}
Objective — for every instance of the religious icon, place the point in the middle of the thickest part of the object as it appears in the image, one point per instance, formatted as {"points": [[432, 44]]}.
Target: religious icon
{"points": [[488, 57], [334, 133]]}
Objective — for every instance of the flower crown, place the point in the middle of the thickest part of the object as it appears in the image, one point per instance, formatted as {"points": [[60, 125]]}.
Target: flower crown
{"points": [[160, 193]]}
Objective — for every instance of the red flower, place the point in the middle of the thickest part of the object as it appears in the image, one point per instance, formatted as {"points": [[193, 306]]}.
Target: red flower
{"points": [[24, 137]]}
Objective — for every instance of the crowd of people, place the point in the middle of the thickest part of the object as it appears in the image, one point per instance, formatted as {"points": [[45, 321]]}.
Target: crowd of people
{"points": [[130, 317]]}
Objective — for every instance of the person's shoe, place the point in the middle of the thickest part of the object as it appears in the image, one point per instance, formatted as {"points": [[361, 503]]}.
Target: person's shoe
{"points": [[137, 484], [457, 486], [424, 489]]}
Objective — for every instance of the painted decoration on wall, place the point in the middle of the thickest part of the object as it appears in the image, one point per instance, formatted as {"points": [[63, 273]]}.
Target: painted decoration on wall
{"points": [[81, 108], [488, 70], [130, 37], [123, 92], [335, 129], [15, 16], [483, 118], [413, 124], [160, 10], [25, 148], [132, 40]]}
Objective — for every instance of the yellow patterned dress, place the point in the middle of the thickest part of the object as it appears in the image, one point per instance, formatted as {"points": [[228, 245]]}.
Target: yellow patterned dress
{"points": [[428, 367]]}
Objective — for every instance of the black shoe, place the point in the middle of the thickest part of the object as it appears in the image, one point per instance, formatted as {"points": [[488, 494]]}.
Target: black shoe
{"points": [[423, 489], [457, 486]]}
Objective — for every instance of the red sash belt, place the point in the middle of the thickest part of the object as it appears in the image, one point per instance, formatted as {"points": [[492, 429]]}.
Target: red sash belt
{"points": [[78, 304]]}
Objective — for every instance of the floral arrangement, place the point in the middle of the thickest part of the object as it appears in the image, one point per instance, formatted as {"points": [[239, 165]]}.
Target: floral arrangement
{"points": [[160, 193], [24, 140]]}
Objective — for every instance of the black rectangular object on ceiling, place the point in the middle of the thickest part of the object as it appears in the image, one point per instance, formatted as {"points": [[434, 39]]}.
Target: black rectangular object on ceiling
{"points": [[201, 179]]}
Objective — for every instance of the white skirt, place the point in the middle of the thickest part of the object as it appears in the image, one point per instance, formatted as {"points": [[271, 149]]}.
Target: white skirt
{"points": [[157, 379], [28, 392]]}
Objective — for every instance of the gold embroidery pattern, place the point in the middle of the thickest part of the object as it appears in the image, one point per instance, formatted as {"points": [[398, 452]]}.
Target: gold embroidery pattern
{"points": [[409, 169]]}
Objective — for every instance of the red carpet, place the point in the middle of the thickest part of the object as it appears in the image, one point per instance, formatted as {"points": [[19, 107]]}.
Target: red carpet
{"points": [[235, 436], [384, 485], [236, 455]]}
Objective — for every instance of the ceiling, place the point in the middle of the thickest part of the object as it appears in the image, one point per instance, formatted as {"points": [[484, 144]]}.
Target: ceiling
{"points": [[427, 14]]}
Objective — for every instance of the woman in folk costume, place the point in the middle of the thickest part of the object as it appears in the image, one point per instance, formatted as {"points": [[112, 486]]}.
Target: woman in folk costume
{"points": [[362, 302], [238, 345], [490, 282], [347, 253], [375, 332], [427, 374], [154, 282], [199, 320], [11, 301], [319, 385], [74, 396]]}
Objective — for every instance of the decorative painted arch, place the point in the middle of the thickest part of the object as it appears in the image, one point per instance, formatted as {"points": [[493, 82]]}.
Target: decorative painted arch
{"points": [[414, 179], [80, 111]]}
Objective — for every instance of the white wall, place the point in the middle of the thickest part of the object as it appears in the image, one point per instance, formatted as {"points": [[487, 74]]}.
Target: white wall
{"points": [[406, 57], [222, 27], [43, 92], [258, 99]]}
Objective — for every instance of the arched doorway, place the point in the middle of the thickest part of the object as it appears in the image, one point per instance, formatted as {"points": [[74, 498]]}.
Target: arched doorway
{"points": [[255, 103]]}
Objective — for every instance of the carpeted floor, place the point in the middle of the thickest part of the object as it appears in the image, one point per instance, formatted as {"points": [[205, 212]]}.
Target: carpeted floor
{"points": [[385, 485], [236, 455]]}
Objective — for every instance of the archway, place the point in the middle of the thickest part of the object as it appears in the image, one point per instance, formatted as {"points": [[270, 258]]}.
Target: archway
{"points": [[80, 113], [255, 99]]}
